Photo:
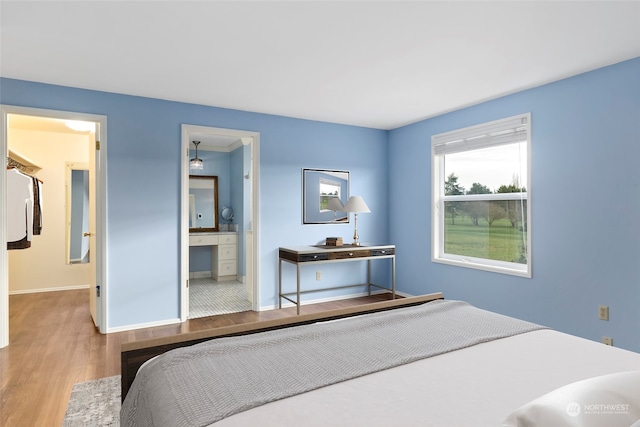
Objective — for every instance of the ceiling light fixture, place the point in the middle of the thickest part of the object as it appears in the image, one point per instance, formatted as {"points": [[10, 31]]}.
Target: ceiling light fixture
{"points": [[196, 163], [81, 126]]}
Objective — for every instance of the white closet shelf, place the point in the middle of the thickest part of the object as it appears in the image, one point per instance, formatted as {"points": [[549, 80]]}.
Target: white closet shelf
{"points": [[22, 159]]}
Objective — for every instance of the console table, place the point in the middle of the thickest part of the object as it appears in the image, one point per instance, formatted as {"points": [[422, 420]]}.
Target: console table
{"points": [[320, 254]]}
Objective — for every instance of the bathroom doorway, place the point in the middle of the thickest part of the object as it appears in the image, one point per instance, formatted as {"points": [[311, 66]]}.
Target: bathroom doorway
{"points": [[208, 258]]}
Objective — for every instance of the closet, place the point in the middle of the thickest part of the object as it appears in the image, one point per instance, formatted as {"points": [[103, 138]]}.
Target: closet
{"points": [[24, 207], [38, 248]]}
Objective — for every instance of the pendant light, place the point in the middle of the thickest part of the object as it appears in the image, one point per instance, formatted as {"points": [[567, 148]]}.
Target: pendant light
{"points": [[196, 163]]}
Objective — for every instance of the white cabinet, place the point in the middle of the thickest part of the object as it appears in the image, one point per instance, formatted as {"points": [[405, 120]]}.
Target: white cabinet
{"points": [[224, 253], [224, 258]]}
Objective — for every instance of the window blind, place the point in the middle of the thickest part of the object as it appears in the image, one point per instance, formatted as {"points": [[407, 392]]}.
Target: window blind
{"points": [[500, 132]]}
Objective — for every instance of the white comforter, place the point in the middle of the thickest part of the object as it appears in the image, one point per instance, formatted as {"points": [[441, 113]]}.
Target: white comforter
{"points": [[475, 386]]}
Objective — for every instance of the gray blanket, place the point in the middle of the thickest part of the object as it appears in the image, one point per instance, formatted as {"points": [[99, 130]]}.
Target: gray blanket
{"points": [[198, 385]]}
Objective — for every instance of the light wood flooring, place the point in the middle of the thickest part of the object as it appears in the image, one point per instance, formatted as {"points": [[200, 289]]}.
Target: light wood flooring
{"points": [[53, 344]]}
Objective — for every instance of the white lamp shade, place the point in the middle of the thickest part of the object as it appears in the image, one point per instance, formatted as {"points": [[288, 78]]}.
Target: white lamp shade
{"points": [[335, 204], [356, 204]]}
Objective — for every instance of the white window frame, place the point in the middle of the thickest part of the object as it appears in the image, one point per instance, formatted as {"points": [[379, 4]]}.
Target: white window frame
{"points": [[498, 132], [325, 181]]}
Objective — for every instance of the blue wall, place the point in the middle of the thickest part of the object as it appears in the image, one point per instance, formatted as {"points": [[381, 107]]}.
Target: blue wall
{"points": [[215, 163], [585, 225], [143, 213]]}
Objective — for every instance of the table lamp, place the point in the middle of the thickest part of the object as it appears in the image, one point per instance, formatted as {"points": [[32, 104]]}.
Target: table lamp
{"points": [[356, 205]]}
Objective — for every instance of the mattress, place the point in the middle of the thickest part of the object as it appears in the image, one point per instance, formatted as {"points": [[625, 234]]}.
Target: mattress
{"points": [[475, 386]]}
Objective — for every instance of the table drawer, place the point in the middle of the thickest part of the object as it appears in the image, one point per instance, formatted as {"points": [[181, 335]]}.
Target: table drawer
{"points": [[322, 256], [383, 252], [349, 254], [227, 252], [227, 268], [227, 239], [205, 240]]}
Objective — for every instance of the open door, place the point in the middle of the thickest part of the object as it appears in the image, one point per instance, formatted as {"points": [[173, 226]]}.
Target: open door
{"points": [[90, 233], [80, 223]]}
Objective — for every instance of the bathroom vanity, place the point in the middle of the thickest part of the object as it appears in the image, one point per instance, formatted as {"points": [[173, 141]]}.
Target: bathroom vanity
{"points": [[224, 244]]}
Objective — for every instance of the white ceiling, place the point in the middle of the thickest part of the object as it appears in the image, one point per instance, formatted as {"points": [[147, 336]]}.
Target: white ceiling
{"points": [[367, 63]]}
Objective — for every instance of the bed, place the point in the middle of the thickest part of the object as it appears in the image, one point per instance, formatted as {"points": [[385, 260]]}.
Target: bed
{"points": [[414, 361]]}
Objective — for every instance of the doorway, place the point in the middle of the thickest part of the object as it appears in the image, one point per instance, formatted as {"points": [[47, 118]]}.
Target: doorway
{"points": [[242, 228], [42, 142]]}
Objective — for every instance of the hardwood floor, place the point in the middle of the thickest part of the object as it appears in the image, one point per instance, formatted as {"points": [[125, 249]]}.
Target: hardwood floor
{"points": [[53, 344]]}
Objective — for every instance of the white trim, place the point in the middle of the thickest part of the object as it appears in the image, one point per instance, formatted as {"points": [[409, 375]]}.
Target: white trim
{"points": [[60, 288], [4, 263], [184, 225], [486, 265], [143, 325], [101, 209], [330, 299], [102, 224], [246, 138], [484, 197]]}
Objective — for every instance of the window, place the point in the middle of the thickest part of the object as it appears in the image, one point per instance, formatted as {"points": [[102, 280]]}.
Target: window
{"points": [[328, 190], [481, 196]]}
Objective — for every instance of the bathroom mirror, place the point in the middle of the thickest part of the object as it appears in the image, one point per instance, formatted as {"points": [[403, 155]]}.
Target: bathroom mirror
{"points": [[323, 192], [203, 203]]}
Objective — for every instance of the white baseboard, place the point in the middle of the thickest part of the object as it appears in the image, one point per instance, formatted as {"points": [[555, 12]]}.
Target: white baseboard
{"points": [[59, 288], [199, 274], [286, 303], [143, 325], [207, 275]]}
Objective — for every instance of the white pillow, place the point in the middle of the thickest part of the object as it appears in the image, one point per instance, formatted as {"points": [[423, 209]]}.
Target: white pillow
{"points": [[610, 400]]}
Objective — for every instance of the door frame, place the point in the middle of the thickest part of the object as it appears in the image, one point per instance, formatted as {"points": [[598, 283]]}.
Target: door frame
{"points": [[101, 210], [252, 235]]}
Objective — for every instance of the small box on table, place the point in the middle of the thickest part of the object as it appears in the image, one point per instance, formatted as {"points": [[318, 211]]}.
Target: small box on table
{"points": [[333, 241]]}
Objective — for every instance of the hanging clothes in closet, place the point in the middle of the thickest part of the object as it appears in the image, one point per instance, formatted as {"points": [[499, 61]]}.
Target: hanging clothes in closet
{"points": [[24, 209]]}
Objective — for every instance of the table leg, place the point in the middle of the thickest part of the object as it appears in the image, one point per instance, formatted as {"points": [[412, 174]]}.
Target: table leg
{"points": [[369, 275], [280, 283], [393, 277], [298, 290]]}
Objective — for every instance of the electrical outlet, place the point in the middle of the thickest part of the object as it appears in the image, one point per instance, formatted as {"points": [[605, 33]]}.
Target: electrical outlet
{"points": [[603, 312], [607, 340], [318, 275]]}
